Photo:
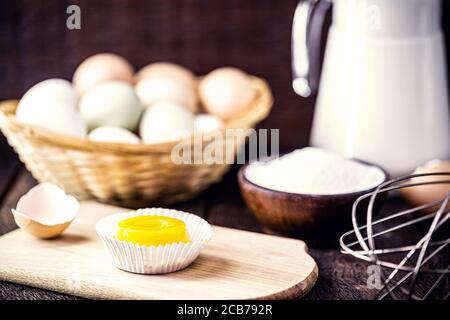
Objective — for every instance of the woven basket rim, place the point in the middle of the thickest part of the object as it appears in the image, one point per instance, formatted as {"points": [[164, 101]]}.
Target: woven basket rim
{"points": [[258, 110]]}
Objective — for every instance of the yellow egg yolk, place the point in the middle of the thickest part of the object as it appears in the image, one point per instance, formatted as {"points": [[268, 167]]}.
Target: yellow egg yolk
{"points": [[152, 230]]}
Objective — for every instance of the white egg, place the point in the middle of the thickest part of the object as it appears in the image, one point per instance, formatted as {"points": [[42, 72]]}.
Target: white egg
{"points": [[226, 92], [207, 123], [113, 134], [51, 90], [167, 69], [166, 121], [51, 105], [54, 117], [112, 103], [158, 89]]}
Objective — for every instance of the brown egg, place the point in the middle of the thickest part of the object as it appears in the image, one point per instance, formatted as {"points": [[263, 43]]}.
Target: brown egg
{"points": [[421, 195], [154, 89], [167, 70], [100, 68], [225, 92]]}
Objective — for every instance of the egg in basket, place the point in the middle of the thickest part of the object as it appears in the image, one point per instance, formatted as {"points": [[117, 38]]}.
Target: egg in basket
{"points": [[112, 135]]}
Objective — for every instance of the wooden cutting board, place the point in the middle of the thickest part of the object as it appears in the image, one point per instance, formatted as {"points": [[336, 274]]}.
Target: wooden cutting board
{"points": [[234, 265]]}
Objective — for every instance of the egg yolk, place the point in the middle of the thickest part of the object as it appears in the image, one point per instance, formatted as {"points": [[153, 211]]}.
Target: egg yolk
{"points": [[152, 230]]}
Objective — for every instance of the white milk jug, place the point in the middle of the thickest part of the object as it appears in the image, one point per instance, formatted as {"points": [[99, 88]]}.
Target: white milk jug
{"points": [[383, 94]]}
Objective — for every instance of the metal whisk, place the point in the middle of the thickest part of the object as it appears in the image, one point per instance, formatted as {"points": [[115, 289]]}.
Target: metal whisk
{"points": [[425, 260]]}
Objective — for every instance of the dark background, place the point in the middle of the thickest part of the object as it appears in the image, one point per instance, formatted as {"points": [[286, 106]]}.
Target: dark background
{"points": [[201, 34]]}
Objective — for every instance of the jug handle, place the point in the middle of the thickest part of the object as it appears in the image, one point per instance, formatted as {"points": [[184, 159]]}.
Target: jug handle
{"points": [[306, 45]]}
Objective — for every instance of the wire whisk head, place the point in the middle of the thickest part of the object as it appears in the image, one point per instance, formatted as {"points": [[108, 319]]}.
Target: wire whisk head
{"points": [[424, 258]]}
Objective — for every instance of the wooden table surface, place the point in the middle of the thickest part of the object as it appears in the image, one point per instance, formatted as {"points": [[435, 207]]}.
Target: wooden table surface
{"points": [[253, 35], [340, 277]]}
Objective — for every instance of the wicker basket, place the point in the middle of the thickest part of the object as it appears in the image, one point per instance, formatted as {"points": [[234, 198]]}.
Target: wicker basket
{"points": [[125, 174]]}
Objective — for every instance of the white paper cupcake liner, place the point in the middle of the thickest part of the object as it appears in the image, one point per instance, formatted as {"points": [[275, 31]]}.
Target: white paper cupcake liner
{"points": [[153, 260]]}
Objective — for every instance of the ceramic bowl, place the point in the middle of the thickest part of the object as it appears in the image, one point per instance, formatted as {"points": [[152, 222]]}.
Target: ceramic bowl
{"points": [[321, 219]]}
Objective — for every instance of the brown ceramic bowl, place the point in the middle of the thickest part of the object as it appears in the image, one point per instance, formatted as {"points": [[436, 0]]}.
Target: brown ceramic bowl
{"points": [[321, 219]]}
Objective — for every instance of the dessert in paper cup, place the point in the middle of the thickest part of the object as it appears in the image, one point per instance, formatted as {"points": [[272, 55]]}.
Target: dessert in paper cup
{"points": [[154, 240]]}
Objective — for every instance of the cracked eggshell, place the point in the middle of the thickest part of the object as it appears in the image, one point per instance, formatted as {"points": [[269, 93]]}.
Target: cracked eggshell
{"points": [[45, 211]]}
